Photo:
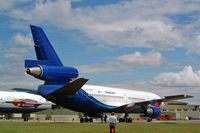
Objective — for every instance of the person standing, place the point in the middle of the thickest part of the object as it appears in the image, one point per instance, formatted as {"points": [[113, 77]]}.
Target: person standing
{"points": [[113, 121], [105, 118]]}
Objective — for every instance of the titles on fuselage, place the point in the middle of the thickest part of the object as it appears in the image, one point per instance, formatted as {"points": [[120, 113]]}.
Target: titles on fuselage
{"points": [[110, 92], [100, 92]]}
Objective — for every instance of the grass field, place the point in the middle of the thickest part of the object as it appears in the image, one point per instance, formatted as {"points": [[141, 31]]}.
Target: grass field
{"points": [[12, 127]]}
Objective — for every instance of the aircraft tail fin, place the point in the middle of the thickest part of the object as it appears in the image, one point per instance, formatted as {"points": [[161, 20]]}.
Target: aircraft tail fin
{"points": [[45, 53]]}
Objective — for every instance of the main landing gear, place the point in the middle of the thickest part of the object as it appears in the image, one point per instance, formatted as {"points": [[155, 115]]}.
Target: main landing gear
{"points": [[86, 119], [26, 116], [149, 120], [126, 119]]}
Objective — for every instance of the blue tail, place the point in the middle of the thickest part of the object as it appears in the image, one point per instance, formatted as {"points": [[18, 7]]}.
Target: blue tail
{"points": [[46, 54]]}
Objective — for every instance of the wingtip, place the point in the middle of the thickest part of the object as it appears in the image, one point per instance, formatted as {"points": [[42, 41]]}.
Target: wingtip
{"points": [[84, 79], [188, 96], [34, 27]]}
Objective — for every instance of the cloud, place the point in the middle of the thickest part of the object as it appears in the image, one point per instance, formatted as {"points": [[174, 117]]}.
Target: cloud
{"points": [[15, 51], [15, 55], [48, 11], [9, 4], [125, 63], [76, 0], [99, 46], [103, 68], [21, 81], [151, 58], [13, 75], [194, 46], [127, 24], [185, 78], [23, 40], [137, 23]]}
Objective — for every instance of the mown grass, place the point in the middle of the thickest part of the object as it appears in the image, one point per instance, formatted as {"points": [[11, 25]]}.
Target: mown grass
{"points": [[22, 127]]}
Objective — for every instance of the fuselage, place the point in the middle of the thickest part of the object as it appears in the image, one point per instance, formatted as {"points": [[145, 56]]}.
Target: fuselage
{"points": [[6, 96], [117, 96], [94, 99]]}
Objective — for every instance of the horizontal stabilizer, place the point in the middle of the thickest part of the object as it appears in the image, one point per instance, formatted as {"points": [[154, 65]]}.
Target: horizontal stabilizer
{"points": [[35, 63], [71, 88]]}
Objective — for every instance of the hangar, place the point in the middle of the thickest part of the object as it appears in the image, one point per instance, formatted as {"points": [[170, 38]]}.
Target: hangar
{"points": [[181, 110]]}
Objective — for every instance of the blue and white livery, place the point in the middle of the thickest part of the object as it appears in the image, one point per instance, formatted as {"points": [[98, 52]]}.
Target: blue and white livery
{"points": [[63, 87]]}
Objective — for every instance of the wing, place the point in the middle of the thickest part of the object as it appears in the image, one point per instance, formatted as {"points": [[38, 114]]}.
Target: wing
{"points": [[143, 104], [71, 88], [25, 90]]}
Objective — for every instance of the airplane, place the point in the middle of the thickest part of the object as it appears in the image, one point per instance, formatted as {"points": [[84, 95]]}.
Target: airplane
{"points": [[63, 87], [22, 102]]}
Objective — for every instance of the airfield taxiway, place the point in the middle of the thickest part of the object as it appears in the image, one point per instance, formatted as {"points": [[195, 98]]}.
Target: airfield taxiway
{"points": [[154, 121]]}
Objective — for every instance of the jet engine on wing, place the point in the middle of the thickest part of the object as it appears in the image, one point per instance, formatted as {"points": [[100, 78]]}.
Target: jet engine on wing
{"points": [[55, 73], [153, 112]]}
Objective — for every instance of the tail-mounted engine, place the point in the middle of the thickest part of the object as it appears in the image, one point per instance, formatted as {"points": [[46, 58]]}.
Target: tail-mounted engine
{"points": [[53, 73]]}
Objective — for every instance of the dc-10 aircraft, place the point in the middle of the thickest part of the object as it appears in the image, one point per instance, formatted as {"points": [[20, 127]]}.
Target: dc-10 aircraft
{"points": [[61, 86], [22, 102]]}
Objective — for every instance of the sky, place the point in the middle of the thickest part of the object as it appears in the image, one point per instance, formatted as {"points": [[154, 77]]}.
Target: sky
{"points": [[134, 44]]}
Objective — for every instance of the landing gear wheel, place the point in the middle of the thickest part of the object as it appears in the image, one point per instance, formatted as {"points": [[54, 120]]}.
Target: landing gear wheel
{"points": [[26, 116], [149, 120], [86, 119], [90, 120], [82, 120]]}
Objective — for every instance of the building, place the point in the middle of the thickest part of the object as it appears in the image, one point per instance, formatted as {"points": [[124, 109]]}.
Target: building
{"points": [[181, 110]]}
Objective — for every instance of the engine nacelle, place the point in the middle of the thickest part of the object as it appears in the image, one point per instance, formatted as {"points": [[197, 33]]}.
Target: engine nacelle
{"points": [[53, 73], [153, 112]]}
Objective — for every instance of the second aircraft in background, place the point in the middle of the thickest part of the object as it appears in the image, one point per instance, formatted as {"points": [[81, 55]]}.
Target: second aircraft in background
{"points": [[22, 102]]}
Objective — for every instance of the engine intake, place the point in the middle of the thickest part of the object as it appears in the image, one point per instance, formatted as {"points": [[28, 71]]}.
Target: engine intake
{"points": [[53, 73], [153, 112]]}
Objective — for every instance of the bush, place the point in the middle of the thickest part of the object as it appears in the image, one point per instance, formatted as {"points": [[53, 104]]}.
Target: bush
{"points": [[9, 115], [80, 115], [48, 117]]}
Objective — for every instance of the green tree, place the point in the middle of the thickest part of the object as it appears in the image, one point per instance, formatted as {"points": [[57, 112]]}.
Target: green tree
{"points": [[48, 116], [9, 115], [80, 114]]}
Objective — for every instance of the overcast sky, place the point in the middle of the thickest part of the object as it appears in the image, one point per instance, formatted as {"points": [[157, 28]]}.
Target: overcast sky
{"points": [[135, 44]]}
